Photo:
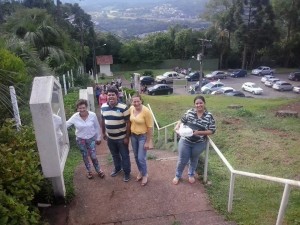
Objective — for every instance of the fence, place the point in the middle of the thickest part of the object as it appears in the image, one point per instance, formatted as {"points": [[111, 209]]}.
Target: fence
{"points": [[287, 182]]}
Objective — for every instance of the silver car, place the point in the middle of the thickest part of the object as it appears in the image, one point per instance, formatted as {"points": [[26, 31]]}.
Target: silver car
{"points": [[282, 86]]}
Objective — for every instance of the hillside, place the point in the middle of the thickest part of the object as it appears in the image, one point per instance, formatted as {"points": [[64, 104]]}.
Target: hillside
{"points": [[135, 18]]}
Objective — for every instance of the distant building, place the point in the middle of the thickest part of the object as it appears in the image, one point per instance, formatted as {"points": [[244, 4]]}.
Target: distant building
{"points": [[104, 62]]}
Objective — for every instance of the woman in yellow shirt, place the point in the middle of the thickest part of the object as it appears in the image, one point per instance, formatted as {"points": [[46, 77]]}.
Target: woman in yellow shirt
{"points": [[141, 135]]}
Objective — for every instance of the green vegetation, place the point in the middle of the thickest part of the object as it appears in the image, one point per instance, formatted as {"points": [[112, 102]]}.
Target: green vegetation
{"points": [[21, 178], [253, 140]]}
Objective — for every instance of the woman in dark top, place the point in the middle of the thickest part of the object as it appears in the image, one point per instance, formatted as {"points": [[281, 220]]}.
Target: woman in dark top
{"points": [[202, 124]]}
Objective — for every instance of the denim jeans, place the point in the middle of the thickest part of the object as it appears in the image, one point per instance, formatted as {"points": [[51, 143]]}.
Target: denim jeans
{"points": [[88, 147], [188, 152], [120, 155], [140, 153]]}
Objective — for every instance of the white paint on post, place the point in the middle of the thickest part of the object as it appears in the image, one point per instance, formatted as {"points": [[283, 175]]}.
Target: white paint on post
{"points": [[69, 79], [65, 85], [72, 78], [91, 98], [14, 103], [48, 116], [137, 82], [83, 94]]}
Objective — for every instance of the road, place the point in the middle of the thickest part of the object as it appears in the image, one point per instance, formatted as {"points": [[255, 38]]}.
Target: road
{"points": [[236, 83]]}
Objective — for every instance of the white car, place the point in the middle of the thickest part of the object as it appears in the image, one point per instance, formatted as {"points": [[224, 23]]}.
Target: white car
{"points": [[270, 82], [252, 87], [266, 77], [223, 90], [296, 89], [168, 77]]}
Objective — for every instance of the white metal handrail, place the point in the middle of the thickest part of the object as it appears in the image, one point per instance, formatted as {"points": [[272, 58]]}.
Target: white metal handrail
{"points": [[287, 182]]}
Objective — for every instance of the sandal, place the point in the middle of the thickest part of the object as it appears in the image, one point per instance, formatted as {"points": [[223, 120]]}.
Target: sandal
{"points": [[139, 177], [144, 181], [192, 180], [101, 174], [175, 180], [89, 175]]}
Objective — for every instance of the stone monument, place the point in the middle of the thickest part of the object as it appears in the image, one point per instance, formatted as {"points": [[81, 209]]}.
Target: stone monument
{"points": [[48, 115]]}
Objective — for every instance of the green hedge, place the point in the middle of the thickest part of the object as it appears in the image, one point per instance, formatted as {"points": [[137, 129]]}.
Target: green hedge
{"points": [[20, 175]]}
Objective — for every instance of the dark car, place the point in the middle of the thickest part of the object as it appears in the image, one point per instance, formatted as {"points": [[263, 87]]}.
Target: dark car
{"points": [[236, 94], [238, 73], [294, 76], [160, 89], [146, 80], [193, 76]]}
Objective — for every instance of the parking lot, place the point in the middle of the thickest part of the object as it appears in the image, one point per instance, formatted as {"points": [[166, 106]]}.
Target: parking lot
{"points": [[236, 83]]}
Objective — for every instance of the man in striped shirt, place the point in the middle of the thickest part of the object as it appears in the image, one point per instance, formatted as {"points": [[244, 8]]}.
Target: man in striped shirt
{"points": [[116, 130]]}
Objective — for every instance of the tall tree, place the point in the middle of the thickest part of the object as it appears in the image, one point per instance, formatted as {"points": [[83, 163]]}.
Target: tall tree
{"points": [[288, 20]]}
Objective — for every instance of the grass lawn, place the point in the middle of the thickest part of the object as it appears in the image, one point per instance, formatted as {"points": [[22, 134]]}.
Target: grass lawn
{"points": [[253, 140]]}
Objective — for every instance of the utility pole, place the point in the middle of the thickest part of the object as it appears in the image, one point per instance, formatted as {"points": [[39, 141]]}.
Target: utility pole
{"points": [[200, 57]]}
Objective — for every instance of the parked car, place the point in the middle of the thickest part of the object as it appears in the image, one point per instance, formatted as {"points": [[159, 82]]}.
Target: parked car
{"points": [[160, 89], [296, 89], [262, 70], [236, 94], [294, 76], [216, 75], [195, 87], [193, 76], [146, 80], [266, 77], [211, 86], [223, 90], [252, 87], [238, 73], [282, 86], [270, 82], [168, 77]]}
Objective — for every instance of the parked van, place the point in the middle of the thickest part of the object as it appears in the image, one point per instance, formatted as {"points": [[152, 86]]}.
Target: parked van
{"points": [[294, 76]]}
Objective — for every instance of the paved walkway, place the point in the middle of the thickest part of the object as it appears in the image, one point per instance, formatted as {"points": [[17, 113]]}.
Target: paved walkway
{"points": [[110, 201]]}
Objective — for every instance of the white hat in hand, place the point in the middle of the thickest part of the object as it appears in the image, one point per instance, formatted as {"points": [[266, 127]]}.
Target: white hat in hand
{"points": [[185, 131]]}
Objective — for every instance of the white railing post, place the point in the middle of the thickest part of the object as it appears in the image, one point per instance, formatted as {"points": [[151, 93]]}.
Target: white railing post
{"points": [[206, 162], [175, 139], [65, 85], [166, 135], [231, 190], [15, 107], [283, 204]]}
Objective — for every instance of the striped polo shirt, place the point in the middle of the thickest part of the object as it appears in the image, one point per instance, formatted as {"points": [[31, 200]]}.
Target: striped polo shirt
{"points": [[206, 122], [115, 120]]}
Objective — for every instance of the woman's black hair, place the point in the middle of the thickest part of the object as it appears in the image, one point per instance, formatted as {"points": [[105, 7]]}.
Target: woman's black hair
{"points": [[199, 97]]}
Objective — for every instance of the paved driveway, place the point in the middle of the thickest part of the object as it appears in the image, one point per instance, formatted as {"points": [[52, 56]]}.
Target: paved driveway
{"points": [[236, 83]]}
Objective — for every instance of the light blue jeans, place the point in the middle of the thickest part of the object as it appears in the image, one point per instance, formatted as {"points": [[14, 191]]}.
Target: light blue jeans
{"points": [[188, 151], [140, 153]]}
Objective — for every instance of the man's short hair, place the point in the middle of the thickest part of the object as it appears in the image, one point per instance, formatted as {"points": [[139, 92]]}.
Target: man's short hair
{"points": [[114, 90]]}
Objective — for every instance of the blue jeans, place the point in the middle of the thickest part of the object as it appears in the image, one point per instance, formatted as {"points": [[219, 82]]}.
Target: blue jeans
{"points": [[188, 152], [140, 153], [120, 155]]}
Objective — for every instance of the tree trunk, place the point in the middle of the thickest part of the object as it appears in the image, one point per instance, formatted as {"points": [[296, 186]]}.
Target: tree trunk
{"points": [[244, 57]]}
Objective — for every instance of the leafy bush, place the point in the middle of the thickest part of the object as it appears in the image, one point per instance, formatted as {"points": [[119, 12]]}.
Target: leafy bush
{"points": [[20, 175], [148, 73]]}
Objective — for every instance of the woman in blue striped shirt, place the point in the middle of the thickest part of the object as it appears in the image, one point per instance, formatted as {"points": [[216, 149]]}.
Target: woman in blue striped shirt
{"points": [[190, 146]]}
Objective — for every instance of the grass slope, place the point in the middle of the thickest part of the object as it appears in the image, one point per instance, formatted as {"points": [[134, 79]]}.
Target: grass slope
{"points": [[253, 140]]}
